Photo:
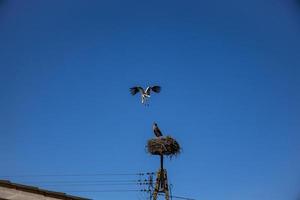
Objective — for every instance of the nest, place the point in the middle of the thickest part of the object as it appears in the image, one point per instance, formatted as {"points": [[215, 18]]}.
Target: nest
{"points": [[163, 146]]}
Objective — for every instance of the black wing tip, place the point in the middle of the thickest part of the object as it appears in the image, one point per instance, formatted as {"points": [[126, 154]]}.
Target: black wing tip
{"points": [[156, 88], [134, 90]]}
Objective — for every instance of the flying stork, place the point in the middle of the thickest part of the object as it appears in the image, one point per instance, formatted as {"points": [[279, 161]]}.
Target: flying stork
{"points": [[145, 94]]}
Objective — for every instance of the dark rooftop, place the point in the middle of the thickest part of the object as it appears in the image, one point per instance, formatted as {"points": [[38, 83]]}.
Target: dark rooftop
{"points": [[36, 190]]}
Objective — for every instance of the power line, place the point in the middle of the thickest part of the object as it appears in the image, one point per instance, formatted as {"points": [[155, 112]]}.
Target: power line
{"points": [[85, 181], [70, 175], [177, 197], [88, 184], [92, 184], [121, 190]]}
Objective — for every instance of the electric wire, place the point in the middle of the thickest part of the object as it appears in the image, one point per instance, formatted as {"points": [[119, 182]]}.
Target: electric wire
{"points": [[113, 190], [85, 181], [106, 182], [179, 197], [75, 175], [91, 184]]}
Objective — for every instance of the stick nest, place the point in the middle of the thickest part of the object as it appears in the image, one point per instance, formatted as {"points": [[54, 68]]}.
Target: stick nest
{"points": [[163, 146]]}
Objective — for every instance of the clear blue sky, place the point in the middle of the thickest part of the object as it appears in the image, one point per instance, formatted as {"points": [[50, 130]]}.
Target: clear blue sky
{"points": [[230, 72]]}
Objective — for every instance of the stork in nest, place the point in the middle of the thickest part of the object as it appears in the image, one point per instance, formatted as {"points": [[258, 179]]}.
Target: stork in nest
{"points": [[156, 130], [145, 94]]}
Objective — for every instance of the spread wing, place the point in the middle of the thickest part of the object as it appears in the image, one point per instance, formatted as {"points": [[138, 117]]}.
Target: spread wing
{"points": [[156, 89], [136, 89]]}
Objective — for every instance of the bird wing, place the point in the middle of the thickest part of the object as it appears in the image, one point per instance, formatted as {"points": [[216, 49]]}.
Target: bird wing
{"points": [[136, 89], [156, 89]]}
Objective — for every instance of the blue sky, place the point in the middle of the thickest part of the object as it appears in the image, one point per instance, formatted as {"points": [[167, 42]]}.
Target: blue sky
{"points": [[229, 73]]}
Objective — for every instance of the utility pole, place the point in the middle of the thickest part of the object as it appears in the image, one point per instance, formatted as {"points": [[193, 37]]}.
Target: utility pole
{"points": [[161, 185]]}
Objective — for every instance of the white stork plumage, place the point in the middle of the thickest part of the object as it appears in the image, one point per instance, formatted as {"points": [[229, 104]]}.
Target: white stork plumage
{"points": [[156, 130], [145, 94]]}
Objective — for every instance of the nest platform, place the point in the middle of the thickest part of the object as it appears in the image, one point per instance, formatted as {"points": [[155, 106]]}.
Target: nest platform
{"points": [[163, 146]]}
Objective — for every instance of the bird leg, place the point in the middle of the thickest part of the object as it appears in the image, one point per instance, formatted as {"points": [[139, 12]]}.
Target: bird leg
{"points": [[145, 100], [147, 104]]}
